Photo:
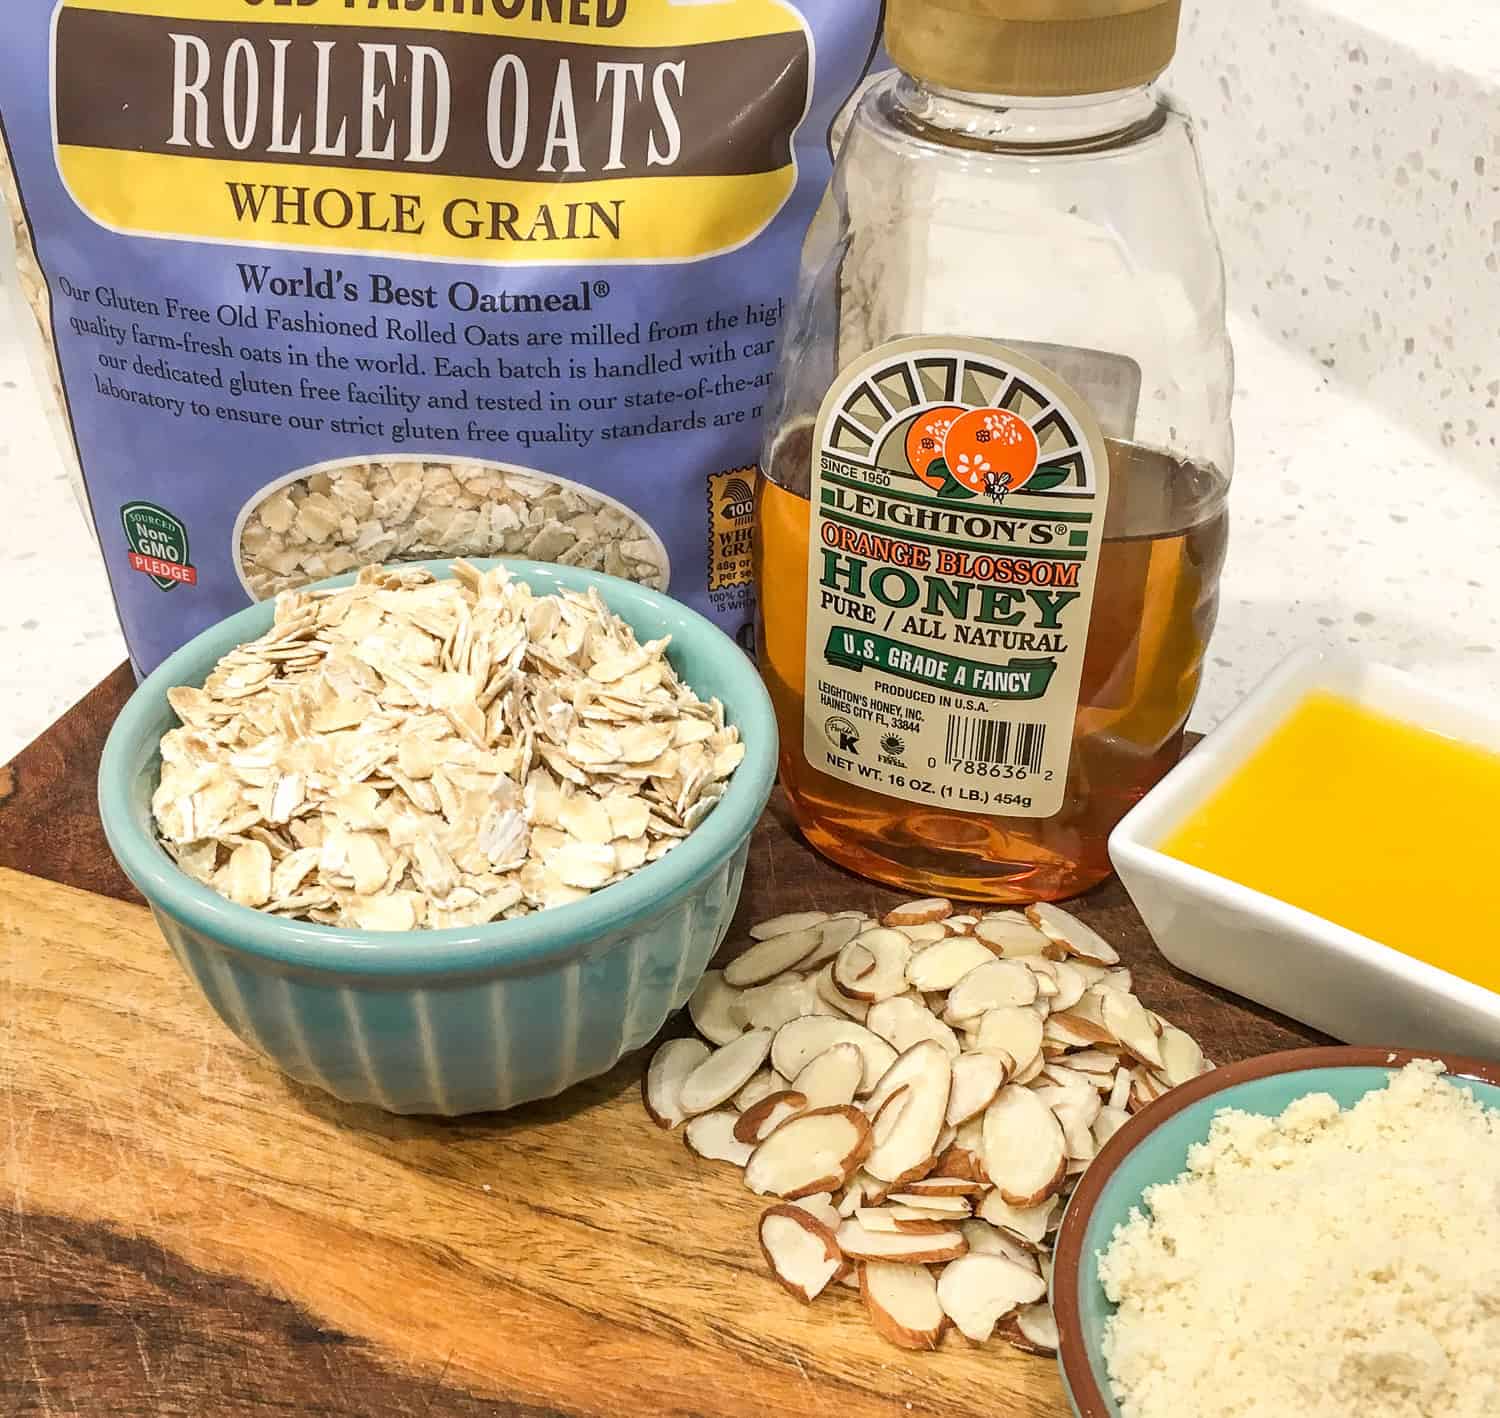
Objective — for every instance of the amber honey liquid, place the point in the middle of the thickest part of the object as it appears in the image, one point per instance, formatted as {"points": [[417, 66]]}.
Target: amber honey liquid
{"points": [[1157, 593]]}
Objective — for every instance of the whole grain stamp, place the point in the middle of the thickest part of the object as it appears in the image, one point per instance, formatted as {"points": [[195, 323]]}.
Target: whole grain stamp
{"points": [[409, 752]]}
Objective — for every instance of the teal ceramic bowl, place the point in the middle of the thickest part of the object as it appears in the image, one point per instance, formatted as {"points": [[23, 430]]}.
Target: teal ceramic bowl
{"points": [[471, 1019], [1153, 1147]]}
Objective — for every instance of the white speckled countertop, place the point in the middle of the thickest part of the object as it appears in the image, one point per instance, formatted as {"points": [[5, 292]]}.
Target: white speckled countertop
{"points": [[1355, 159]]}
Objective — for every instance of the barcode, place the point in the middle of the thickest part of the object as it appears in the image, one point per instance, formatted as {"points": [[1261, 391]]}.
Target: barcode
{"points": [[972, 740]]}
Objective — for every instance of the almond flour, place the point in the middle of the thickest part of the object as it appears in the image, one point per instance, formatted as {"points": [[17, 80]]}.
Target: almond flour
{"points": [[1325, 1263]]}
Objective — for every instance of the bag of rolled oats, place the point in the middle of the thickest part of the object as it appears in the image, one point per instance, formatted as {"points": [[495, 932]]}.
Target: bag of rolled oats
{"points": [[330, 282]]}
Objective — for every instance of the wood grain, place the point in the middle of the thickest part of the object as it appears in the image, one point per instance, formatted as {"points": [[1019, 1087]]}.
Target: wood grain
{"points": [[49, 818], [183, 1230]]}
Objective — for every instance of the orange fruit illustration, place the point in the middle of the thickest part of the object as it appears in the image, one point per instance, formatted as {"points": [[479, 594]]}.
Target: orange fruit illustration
{"points": [[925, 439], [991, 450]]}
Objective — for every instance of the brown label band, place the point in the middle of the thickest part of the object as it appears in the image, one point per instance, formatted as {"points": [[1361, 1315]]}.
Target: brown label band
{"points": [[250, 93]]}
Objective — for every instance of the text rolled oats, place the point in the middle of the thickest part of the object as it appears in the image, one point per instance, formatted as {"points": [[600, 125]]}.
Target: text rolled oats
{"points": [[411, 753], [516, 274]]}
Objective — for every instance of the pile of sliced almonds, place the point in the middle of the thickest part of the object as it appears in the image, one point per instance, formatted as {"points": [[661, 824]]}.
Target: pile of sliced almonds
{"points": [[920, 1093]]}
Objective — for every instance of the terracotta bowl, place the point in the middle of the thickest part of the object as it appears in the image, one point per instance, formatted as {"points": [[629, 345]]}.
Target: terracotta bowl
{"points": [[1153, 1146]]}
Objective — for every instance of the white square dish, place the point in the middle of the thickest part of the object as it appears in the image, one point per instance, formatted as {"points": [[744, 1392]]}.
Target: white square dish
{"points": [[1279, 955]]}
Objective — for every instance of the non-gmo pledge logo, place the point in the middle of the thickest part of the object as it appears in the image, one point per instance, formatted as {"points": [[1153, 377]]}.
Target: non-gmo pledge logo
{"points": [[158, 544]]}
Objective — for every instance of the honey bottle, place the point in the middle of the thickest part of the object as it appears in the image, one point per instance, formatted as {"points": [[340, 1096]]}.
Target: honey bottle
{"points": [[993, 516]]}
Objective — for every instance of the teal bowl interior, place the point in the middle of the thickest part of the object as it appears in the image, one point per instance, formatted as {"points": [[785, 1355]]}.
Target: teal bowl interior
{"points": [[1151, 1152], [473, 1018]]}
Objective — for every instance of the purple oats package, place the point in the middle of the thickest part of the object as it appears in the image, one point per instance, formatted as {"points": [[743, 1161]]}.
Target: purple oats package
{"points": [[328, 282]]}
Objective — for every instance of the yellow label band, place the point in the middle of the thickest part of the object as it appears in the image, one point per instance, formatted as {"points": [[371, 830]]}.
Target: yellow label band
{"points": [[628, 22], [319, 208]]}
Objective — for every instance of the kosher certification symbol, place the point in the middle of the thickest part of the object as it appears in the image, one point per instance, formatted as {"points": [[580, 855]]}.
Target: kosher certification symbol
{"points": [[842, 734]]}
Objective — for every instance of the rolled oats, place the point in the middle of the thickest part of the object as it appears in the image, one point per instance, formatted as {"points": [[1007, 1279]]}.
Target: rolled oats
{"points": [[413, 753], [336, 519]]}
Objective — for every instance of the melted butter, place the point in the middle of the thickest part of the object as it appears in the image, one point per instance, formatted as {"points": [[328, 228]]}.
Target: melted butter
{"points": [[1377, 825]]}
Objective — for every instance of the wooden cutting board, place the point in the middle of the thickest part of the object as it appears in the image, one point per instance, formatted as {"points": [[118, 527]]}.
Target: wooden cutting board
{"points": [[185, 1231]]}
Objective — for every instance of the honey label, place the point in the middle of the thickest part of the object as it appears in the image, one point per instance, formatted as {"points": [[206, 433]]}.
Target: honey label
{"points": [[958, 499]]}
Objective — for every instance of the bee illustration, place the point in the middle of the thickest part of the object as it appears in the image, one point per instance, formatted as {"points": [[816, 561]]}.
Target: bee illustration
{"points": [[996, 485]]}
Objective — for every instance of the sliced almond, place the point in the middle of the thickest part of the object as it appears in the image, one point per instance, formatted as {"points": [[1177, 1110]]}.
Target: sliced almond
{"points": [[766, 1081], [1091, 1005], [939, 1205], [1010, 934], [830, 994], [926, 1072], [724, 1072], [1068, 931], [1128, 1020], [1045, 971], [1024, 1150], [661, 1087], [932, 1186], [1182, 1059], [1119, 979], [801, 1041], [978, 1291], [1016, 1031], [816, 1151], [977, 1078], [884, 1113], [905, 1020], [834, 934], [997, 984], [1033, 1329], [800, 1250], [872, 966], [1119, 1093], [918, 913], [777, 1002], [832, 1078], [711, 1135], [1097, 1064], [1027, 1224], [712, 1009], [821, 1208], [903, 1220], [1069, 1029], [1145, 1089], [1071, 983], [759, 1122], [1077, 1125], [941, 966], [860, 1190], [903, 1303], [769, 958], [961, 1163], [1026, 1073], [860, 1244], [961, 924], [1107, 1124], [785, 925], [1064, 1075], [921, 936], [987, 1240]]}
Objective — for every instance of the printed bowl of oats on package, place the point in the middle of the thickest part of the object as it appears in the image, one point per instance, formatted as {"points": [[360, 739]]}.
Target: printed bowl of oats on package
{"points": [[448, 837]]}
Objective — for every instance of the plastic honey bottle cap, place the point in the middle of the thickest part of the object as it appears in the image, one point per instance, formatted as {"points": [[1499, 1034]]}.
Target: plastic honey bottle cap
{"points": [[1033, 48]]}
